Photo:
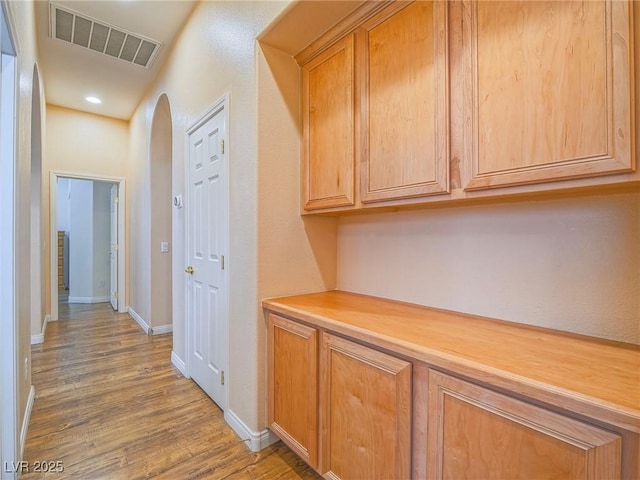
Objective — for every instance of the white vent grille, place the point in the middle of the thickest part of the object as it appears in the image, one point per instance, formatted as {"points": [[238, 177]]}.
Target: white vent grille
{"points": [[78, 29]]}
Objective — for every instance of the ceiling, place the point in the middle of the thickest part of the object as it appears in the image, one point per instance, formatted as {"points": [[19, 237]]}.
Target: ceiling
{"points": [[71, 72]]}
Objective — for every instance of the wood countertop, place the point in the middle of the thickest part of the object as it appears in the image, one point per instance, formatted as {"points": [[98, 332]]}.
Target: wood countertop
{"points": [[585, 375]]}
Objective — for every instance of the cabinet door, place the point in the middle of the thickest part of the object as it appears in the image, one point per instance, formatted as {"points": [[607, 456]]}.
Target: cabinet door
{"points": [[365, 411], [293, 386], [548, 90], [474, 432], [328, 123], [405, 109]]}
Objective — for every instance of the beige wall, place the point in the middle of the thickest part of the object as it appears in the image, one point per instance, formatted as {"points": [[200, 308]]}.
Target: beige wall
{"points": [[272, 251], [571, 264], [295, 254], [22, 19], [139, 206], [85, 144], [81, 142]]}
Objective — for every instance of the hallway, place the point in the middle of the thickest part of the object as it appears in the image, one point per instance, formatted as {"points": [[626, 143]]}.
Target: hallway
{"points": [[109, 405]]}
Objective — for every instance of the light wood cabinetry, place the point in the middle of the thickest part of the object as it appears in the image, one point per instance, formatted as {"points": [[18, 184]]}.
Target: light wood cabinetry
{"points": [[363, 397], [475, 432], [366, 412], [404, 102], [413, 392], [433, 101], [328, 95], [293, 386], [549, 90]]}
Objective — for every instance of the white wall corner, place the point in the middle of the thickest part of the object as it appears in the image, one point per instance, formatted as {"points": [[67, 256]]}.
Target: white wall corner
{"points": [[256, 441], [162, 329], [25, 420], [179, 364], [39, 337], [144, 325]]}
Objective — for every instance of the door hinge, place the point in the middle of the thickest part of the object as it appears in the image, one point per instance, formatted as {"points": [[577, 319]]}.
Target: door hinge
{"points": [[116, 200], [115, 247], [222, 262], [222, 146], [115, 294], [221, 377]]}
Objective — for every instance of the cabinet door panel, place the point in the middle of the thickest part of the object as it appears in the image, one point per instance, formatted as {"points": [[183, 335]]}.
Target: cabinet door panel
{"points": [[548, 90], [366, 412], [328, 127], [474, 432], [293, 386], [405, 103]]}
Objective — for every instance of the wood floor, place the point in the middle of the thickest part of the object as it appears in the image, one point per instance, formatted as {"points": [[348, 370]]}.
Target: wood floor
{"points": [[109, 405]]}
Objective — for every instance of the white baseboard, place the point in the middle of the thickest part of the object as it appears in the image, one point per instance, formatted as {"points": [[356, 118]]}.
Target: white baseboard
{"points": [[25, 420], [179, 364], [256, 441], [88, 299], [162, 329], [39, 337], [144, 325]]}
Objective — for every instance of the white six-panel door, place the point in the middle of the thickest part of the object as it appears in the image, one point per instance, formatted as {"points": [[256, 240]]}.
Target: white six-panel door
{"points": [[206, 238]]}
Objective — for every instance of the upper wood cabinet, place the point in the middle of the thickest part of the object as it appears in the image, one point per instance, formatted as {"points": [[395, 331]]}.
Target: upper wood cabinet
{"points": [[328, 95], [549, 90], [404, 134], [409, 102]]}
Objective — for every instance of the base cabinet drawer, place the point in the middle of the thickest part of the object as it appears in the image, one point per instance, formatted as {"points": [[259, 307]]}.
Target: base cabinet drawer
{"points": [[474, 432]]}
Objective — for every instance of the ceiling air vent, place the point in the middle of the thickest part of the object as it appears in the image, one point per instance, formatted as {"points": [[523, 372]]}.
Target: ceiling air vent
{"points": [[78, 29]]}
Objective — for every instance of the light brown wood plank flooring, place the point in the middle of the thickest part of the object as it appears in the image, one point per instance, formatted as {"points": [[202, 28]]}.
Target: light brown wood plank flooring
{"points": [[110, 405]]}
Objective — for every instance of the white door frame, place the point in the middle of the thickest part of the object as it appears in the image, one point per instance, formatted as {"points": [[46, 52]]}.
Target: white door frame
{"points": [[113, 251], [53, 234], [221, 104], [10, 445]]}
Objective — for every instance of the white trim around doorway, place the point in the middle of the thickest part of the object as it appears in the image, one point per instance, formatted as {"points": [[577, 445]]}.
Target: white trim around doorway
{"points": [[53, 234]]}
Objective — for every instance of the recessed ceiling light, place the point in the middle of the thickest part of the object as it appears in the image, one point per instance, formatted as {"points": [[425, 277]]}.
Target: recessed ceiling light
{"points": [[93, 100]]}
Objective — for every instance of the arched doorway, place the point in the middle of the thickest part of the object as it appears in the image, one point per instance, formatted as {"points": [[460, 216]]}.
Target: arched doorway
{"points": [[161, 155]]}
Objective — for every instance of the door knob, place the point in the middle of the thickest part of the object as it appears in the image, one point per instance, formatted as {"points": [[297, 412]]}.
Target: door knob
{"points": [[189, 270]]}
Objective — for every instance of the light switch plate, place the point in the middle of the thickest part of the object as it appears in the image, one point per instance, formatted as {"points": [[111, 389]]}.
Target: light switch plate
{"points": [[164, 247]]}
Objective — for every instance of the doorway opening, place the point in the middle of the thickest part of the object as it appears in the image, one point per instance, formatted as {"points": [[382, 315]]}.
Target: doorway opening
{"points": [[110, 257], [87, 241]]}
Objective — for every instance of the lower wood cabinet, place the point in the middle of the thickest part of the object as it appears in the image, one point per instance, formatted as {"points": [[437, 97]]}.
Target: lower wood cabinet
{"points": [[293, 386], [365, 411], [363, 397], [367, 388], [474, 432]]}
